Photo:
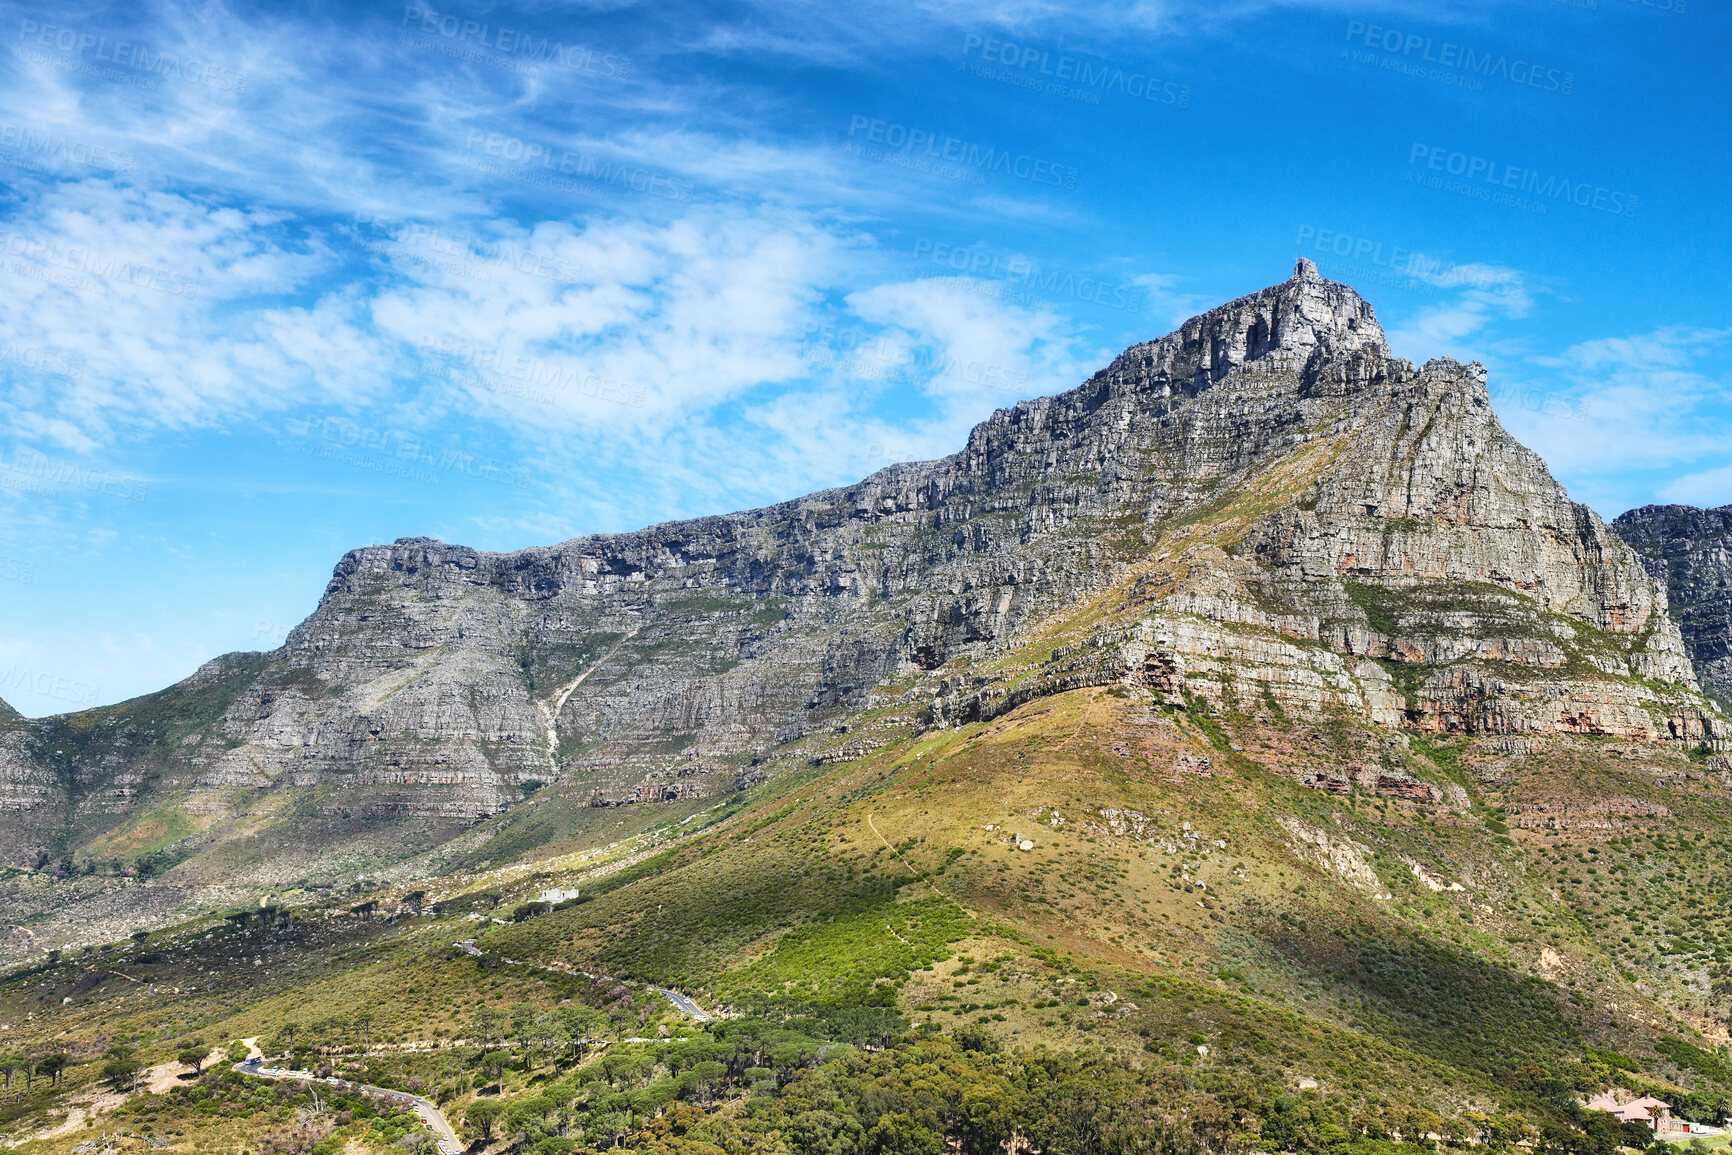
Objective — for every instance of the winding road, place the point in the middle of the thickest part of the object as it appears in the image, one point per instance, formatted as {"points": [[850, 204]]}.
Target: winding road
{"points": [[685, 1005], [446, 1135], [682, 1003], [449, 1143]]}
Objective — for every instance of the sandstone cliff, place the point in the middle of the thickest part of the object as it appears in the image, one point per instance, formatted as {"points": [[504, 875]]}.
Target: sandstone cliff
{"points": [[1264, 509], [1689, 551]]}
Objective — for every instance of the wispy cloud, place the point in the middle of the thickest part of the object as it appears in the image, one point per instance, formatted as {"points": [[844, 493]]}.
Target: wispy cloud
{"points": [[1621, 415]]}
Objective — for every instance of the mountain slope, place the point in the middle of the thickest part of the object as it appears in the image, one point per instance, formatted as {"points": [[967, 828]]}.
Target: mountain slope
{"points": [[1091, 879], [1252, 748], [1263, 512]]}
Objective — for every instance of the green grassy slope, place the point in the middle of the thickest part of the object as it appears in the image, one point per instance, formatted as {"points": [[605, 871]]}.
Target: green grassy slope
{"points": [[1241, 958]]}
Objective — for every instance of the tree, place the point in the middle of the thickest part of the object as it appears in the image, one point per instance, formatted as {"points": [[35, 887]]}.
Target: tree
{"points": [[611, 1124], [975, 1038], [52, 1066], [824, 1133], [523, 1024], [122, 1068], [701, 1082], [545, 1030], [897, 1133], [192, 1055], [559, 1097], [487, 1026], [526, 1117], [577, 1026], [481, 1115]]}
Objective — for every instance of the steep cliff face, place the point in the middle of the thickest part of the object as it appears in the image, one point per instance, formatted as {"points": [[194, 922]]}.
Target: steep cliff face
{"points": [[1262, 507], [1689, 552]]}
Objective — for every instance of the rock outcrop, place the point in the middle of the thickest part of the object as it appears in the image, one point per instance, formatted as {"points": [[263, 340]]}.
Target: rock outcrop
{"points": [[1264, 506], [1689, 551]]}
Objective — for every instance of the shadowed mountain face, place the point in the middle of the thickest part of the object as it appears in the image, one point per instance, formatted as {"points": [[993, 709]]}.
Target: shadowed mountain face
{"points": [[1689, 551], [1263, 511]]}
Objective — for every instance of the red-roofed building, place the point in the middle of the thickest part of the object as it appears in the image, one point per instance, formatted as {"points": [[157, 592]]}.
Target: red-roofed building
{"points": [[1646, 1110]]}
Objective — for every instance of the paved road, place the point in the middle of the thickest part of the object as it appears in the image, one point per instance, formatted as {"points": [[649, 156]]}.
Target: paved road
{"points": [[685, 1004], [449, 1143], [682, 1003]]}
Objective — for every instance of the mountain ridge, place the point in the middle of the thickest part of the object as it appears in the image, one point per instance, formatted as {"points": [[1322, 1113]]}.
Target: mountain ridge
{"points": [[1264, 497]]}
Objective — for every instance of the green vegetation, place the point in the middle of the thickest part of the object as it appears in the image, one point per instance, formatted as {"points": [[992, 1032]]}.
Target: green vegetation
{"points": [[1228, 933], [857, 955], [1694, 1058]]}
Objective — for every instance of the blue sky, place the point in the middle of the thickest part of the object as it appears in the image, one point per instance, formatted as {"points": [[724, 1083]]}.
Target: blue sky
{"points": [[279, 281]]}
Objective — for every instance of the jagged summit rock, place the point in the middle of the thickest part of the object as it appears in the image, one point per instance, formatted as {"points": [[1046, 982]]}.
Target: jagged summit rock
{"points": [[1261, 510], [1689, 550], [1296, 325]]}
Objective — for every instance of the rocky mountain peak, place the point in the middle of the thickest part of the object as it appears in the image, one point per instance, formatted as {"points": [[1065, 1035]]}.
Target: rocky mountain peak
{"points": [[1301, 324]]}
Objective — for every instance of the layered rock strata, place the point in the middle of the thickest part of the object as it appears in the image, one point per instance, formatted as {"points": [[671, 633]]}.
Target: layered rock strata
{"points": [[1689, 551], [1265, 506]]}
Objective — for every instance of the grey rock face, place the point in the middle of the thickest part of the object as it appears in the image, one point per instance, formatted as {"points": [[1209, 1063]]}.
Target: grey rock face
{"points": [[1264, 498], [1689, 551]]}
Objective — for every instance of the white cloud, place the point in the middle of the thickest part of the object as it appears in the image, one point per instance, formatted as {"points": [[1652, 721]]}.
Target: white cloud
{"points": [[1482, 296], [171, 311], [661, 319], [1711, 488], [957, 339], [1613, 416]]}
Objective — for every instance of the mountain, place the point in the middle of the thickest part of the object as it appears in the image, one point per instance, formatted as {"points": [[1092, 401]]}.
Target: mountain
{"points": [[1264, 511], [1689, 550], [1252, 748]]}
